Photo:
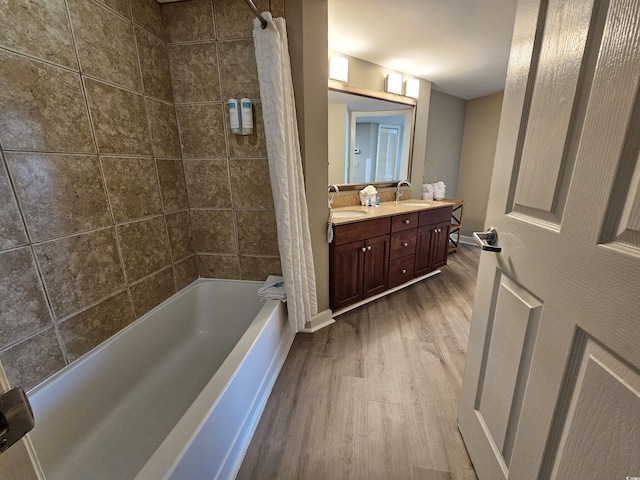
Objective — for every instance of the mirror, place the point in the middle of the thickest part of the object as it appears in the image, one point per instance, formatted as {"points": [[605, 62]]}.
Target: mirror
{"points": [[370, 138]]}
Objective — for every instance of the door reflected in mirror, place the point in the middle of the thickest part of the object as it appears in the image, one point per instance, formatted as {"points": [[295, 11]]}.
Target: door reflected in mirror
{"points": [[370, 139]]}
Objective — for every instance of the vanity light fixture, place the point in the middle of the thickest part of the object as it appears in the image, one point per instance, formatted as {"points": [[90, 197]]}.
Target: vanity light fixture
{"points": [[339, 69], [412, 88], [393, 83]]}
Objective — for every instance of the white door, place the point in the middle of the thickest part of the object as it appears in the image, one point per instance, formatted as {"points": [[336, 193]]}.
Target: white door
{"points": [[552, 379], [19, 461], [387, 152]]}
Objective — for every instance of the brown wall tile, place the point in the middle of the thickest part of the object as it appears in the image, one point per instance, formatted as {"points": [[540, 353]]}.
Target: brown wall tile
{"points": [[186, 272], [277, 8], [254, 145], [80, 270], [119, 119], [257, 232], [188, 21], [144, 246], [93, 326], [152, 291], [33, 360], [201, 131], [234, 19], [180, 238], [132, 186], [154, 63], [39, 28], [106, 44], [120, 6], [164, 129], [250, 183], [194, 72], [12, 232], [214, 231], [259, 268], [23, 308], [219, 266], [172, 185], [60, 194], [41, 107], [146, 14], [207, 183], [238, 70]]}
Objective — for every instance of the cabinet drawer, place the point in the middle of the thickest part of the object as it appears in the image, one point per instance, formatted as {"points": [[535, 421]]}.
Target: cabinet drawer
{"points": [[403, 244], [401, 271], [404, 222], [437, 215], [352, 232]]}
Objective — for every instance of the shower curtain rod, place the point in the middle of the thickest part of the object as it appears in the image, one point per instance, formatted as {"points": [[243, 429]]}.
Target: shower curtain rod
{"points": [[257, 13]]}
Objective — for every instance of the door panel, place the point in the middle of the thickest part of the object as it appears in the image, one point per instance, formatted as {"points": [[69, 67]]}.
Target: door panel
{"points": [[423, 251], [440, 248], [376, 266], [551, 383], [346, 271], [20, 460]]}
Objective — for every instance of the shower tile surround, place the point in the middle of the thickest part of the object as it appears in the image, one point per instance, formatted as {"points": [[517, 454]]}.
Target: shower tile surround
{"points": [[101, 218]]}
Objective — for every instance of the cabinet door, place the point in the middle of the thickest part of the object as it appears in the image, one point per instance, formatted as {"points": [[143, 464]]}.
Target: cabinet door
{"points": [[423, 264], [376, 265], [346, 274], [440, 243]]}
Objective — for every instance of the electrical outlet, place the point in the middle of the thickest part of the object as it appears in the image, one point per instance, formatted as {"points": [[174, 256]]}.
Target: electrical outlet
{"points": [[357, 163]]}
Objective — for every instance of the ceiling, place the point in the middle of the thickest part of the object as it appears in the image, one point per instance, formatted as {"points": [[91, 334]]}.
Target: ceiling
{"points": [[462, 46]]}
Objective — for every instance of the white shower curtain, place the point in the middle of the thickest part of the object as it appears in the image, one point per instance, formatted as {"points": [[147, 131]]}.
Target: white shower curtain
{"points": [[285, 169]]}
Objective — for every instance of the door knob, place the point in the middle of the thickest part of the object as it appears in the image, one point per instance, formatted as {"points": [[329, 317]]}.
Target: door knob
{"points": [[363, 249], [407, 222], [487, 240], [405, 244], [368, 247], [403, 271]]}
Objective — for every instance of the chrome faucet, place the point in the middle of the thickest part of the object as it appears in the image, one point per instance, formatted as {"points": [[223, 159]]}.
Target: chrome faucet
{"points": [[398, 194]]}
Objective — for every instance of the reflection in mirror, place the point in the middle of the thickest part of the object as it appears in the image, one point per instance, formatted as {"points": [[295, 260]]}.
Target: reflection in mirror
{"points": [[370, 139]]}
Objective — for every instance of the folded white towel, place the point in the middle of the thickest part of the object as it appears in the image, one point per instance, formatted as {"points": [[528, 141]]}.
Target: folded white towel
{"points": [[273, 289]]}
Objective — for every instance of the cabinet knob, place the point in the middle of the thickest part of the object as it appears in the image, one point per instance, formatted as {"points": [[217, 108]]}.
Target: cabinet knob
{"points": [[368, 247], [363, 249], [405, 244], [403, 271], [407, 222]]}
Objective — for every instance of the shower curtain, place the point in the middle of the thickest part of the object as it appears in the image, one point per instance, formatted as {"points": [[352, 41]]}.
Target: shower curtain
{"points": [[285, 169]]}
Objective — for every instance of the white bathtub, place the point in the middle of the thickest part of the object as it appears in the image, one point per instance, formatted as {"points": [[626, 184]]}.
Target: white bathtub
{"points": [[175, 395]]}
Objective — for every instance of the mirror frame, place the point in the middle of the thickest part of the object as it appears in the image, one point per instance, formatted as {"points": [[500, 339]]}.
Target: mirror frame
{"points": [[391, 97]]}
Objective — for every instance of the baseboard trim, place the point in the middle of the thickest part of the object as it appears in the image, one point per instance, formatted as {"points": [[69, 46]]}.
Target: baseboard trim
{"points": [[319, 321], [385, 293]]}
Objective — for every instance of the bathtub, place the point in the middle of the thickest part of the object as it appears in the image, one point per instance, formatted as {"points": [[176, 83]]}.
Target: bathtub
{"points": [[175, 395]]}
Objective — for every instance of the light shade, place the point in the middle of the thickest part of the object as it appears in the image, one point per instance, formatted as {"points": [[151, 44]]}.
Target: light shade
{"points": [[412, 88], [393, 83], [339, 69]]}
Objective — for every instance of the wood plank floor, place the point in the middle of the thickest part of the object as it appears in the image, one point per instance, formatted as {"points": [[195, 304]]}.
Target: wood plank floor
{"points": [[375, 395]]}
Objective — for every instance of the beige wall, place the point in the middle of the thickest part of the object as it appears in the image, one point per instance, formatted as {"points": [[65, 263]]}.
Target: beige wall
{"points": [[476, 161], [337, 119], [367, 75], [444, 140], [307, 32]]}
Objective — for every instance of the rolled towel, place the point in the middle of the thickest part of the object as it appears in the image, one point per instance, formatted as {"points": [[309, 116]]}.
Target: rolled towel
{"points": [[273, 289]]}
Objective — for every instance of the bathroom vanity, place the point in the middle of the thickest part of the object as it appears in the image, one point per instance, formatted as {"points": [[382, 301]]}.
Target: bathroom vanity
{"points": [[381, 248]]}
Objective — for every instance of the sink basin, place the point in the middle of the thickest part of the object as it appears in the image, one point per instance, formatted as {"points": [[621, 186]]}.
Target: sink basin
{"points": [[348, 213]]}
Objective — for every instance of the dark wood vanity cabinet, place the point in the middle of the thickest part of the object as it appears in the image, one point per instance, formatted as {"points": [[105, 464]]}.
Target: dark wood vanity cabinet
{"points": [[371, 256], [359, 261]]}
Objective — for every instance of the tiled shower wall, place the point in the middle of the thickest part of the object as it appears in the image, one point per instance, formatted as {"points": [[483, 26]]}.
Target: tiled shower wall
{"points": [[212, 59], [95, 224]]}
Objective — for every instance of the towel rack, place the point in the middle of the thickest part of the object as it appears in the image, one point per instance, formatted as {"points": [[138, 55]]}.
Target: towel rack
{"points": [[257, 13]]}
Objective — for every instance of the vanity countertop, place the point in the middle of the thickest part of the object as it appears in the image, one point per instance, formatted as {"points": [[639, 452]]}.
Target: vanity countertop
{"points": [[388, 209]]}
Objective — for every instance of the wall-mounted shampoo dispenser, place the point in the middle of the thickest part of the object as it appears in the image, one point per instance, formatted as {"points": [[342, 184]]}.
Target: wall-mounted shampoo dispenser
{"points": [[241, 116]]}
